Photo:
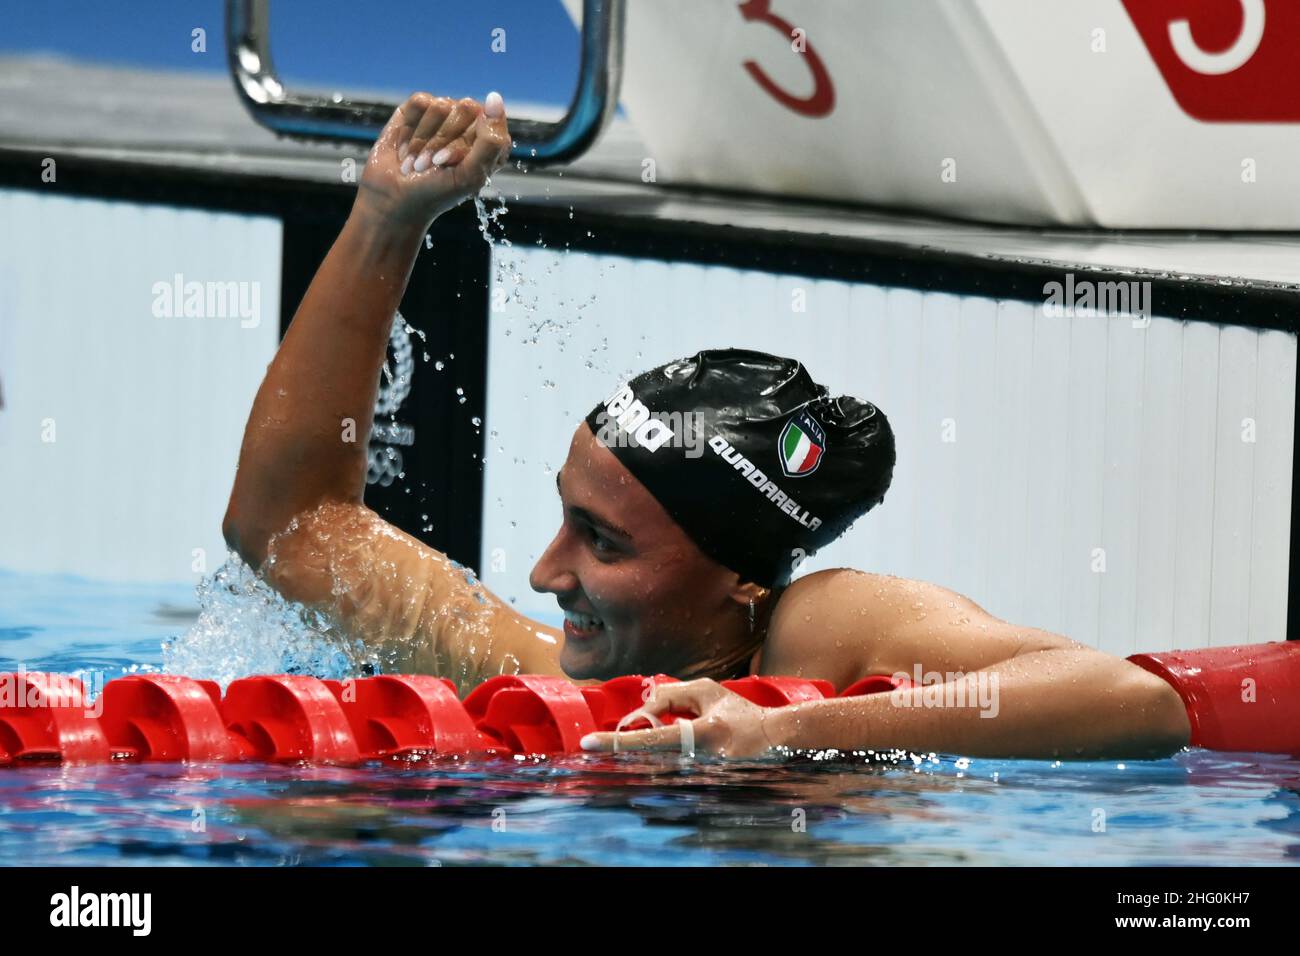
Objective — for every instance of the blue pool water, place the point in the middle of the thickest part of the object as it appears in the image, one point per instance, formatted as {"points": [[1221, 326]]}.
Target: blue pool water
{"points": [[1195, 808]]}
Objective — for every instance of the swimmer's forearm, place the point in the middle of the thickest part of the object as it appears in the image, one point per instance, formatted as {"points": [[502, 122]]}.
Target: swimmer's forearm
{"points": [[1049, 704], [307, 436]]}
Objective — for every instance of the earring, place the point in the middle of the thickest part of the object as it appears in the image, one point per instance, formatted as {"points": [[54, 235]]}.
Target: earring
{"points": [[751, 615]]}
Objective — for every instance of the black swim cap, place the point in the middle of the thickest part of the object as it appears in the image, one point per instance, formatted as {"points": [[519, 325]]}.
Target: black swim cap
{"points": [[749, 455]]}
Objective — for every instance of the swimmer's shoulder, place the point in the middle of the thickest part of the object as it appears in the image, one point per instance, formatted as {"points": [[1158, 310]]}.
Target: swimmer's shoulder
{"points": [[824, 625], [842, 624]]}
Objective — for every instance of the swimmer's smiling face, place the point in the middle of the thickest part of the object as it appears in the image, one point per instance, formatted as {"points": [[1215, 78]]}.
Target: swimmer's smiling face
{"points": [[640, 597]]}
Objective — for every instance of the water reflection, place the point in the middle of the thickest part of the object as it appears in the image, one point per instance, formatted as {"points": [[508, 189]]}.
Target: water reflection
{"points": [[631, 809]]}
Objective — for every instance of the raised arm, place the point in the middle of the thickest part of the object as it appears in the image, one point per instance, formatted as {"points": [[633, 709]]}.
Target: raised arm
{"points": [[306, 439], [296, 511]]}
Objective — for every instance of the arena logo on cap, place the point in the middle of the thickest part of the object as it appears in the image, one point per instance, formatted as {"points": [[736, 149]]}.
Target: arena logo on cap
{"points": [[630, 414], [803, 441]]}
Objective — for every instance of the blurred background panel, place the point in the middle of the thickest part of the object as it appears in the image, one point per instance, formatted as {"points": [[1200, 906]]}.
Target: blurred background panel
{"points": [[123, 415]]}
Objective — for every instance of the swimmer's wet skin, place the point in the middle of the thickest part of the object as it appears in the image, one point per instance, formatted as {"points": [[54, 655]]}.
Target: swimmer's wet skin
{"points": [[674, 552]]}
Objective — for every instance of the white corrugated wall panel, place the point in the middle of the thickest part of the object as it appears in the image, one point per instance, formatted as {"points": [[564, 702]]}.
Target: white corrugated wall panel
{"points": [[1098, 485], [1274, 453], [148, 411], [1196, 490]]}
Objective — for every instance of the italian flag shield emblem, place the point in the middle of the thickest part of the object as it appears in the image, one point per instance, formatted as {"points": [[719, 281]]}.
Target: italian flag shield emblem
{"points": [[802, 444]]}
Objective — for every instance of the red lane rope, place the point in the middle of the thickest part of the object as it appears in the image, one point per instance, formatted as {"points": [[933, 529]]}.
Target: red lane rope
{"points": [[1244, 698], [291, 718]]}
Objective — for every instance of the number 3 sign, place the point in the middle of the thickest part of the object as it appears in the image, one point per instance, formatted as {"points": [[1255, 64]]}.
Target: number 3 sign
{"points": [[822, 99], [1226, 61]]}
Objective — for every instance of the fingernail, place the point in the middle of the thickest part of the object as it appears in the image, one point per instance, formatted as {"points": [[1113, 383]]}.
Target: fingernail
{"points": [[403, 150], [407, 164], [494, 106], [441, 156], [421, 162], [589, 742]]}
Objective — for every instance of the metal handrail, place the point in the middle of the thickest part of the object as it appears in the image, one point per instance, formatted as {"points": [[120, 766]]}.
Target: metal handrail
{"points": [[535, 142]]}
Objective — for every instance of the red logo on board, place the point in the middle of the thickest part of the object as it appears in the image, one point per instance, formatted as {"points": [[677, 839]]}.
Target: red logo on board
{"points": [[1226, 61]]}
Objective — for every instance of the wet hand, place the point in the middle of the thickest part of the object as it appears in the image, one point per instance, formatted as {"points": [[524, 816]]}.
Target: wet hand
{"points": [[726, 723], [433, 154]]}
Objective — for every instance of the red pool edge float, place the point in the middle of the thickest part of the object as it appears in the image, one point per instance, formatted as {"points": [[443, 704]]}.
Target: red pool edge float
{"points": [[1244, 698]]}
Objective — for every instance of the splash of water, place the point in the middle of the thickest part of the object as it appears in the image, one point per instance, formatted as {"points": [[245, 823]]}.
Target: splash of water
{"points": [[245, 628], [527, 318], [379, 604]]}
